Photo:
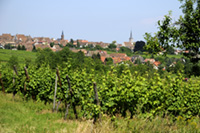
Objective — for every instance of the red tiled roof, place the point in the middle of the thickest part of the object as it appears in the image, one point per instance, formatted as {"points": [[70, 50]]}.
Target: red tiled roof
{"points": [[150, 60], [116, 60], [118, 55], [157, 63], [103, 59]]}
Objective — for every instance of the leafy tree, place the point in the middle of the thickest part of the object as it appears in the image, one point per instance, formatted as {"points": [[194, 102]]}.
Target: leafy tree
{"points": [[52, 44], [8, 46], [170, 50], [109, 61], [112, 45], [184, 33], [90, 46], [71, 41], [34, 49], [78, 44], [18, 47], [98, 47], [71, 45], [139, 46], [48, 57], [125, 50], [23, 47]]}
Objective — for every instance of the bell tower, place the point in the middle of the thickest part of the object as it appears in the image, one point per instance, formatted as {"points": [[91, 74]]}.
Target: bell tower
{"points": [[62, 36], [131, 38]]}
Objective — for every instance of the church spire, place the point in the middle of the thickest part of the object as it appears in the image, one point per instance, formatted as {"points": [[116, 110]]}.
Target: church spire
{"points": [[131, 38], [62, 36]]}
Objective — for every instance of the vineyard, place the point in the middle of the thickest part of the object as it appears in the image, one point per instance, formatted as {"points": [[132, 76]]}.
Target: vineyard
{"points": [[126, 95]]}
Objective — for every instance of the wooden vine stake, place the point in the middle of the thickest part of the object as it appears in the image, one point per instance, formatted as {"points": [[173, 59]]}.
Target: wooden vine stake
{"points": [[27, 79], [3, 89], [96, 101], [14, 73], [60, 84], [73, 104], [54, 99]]}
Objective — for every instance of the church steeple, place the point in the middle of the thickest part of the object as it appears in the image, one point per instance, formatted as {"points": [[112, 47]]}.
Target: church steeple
{"points": [[62, 36], [131, 38]]}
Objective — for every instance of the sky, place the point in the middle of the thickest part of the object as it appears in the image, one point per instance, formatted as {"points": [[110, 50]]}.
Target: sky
{"points": [[92, 20]]}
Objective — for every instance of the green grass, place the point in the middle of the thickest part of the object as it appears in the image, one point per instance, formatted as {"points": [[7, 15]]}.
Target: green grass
{"points": [[170, 56], [28, 116], [5, 55]]}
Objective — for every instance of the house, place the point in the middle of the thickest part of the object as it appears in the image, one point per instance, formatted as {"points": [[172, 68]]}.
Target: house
{"points": [[116, 60], [121, 55], [42, 40], [137, 57], [56, 48], [77, 50], [42, 46], [156, 65], [103, 58], [130, 44], [151, 61]]}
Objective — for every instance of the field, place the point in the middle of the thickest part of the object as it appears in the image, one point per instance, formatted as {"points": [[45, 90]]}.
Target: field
{"points": [[22, 116], [21, 55]]}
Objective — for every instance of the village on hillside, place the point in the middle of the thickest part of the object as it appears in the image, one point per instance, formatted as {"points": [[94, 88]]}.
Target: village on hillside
{"points": [[45, 42]]}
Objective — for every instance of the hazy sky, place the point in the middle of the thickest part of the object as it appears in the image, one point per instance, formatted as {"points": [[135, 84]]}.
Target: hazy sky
{"points": [[94, 20]]}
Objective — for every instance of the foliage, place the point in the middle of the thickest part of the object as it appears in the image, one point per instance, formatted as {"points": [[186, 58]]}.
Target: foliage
{"points": [[109, 61], [125, 50], [52, 44], [30, 116], [9, 46], [183, 33], [13, 61], [112, 45], [19, 47], [139, 46]]}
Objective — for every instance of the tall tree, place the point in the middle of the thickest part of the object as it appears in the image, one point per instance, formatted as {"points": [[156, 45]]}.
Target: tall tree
{"points": [[139, 46], [184, 33]]}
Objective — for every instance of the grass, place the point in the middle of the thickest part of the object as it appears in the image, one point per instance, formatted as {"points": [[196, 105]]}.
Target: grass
{"points": [[28, 116], [170, 56], [5, 55]]}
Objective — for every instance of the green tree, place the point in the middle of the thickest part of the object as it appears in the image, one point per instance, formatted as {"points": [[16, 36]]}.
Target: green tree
{"points": [[52, 44], [139, 46], [112, 45], [78, 44], [71, 41], [184, 33], [18, 47], [109, 61], [23, 47], [34, 49], [8, 46], [98, 47]]}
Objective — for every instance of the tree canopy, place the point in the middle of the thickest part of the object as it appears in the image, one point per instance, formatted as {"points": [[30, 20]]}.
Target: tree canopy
{"points": [[183, 33]]}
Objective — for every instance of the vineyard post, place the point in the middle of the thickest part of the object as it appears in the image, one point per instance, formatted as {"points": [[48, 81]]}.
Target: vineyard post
{"points": [[14, 73], [70, 90], [96, 101], [15, 69], [54, 99], [27, 79], [60, 83], [3, 89]]}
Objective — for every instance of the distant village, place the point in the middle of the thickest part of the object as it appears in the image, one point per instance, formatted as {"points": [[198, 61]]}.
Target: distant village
{"points": [[44, 42]]}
